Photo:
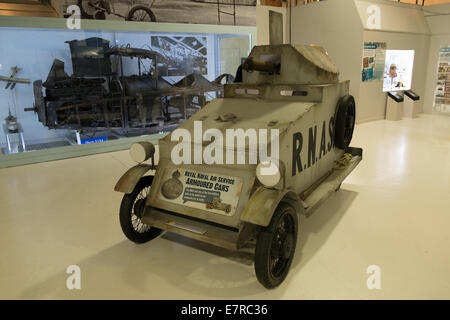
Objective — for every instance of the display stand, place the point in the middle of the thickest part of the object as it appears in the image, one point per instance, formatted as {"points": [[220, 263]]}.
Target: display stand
{"points": [[411, 104], [394, 108], [12, 148]]}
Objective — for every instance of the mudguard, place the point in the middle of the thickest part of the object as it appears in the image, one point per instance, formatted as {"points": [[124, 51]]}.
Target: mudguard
{"points": [[129, 180], [262, 204]]}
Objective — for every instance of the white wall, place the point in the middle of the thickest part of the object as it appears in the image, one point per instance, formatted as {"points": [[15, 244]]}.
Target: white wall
{"points": [[342, 27], [402, 27], [394, 16], [372, 94], [335, 25]]}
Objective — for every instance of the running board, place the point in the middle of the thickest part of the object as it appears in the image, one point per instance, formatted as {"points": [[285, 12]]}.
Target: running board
{"points": [[329, 185], [216, 235]]}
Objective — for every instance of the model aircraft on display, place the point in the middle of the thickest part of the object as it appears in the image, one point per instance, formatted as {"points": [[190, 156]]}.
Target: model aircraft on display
{"points": [[11, 81]]}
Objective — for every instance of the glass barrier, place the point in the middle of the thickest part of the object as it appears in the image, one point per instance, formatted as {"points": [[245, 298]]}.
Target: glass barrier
{"points": [[66, 87]]}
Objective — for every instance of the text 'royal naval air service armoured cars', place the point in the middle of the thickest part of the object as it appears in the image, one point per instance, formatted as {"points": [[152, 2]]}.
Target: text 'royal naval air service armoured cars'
{"points": [[240, 170]]}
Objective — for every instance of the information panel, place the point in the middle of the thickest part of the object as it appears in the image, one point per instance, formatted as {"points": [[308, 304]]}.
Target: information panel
{"points": [[374, 57], [442, 92], [206, 191]]}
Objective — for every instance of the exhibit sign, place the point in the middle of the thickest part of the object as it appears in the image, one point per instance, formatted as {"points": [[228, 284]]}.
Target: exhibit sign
{"points": [[374, 57], [442, 92], [94, 140], [199, 190], [398, 70]]}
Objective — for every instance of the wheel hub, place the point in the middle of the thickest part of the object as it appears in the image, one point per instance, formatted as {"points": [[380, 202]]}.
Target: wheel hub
{"points": [[139, 207], [288, 246]]}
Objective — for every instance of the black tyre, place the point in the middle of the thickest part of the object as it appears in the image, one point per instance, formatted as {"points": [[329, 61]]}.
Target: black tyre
{"points": [[275, 247], [100, 15], [131, 211], [345, 122], [141, 13], [86, 11], [89, 9]]}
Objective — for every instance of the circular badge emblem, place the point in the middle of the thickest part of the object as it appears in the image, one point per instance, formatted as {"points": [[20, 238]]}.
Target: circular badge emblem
{"points": [[172, 188]]}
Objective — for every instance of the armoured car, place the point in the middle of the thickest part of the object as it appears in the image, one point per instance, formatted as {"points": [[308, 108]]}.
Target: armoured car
{"points": [[291, 91]]}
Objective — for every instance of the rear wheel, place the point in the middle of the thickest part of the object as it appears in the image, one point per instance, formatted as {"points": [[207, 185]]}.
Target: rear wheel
{"points": [[275, 247], [345, 122], [91, 9], [132, 210], [141, 13]]}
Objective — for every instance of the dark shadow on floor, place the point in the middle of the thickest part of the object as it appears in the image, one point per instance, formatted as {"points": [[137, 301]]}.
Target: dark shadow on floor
{"points": [[126, 270]]}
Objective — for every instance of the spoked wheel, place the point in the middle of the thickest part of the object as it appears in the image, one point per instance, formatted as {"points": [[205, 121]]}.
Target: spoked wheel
{"points": [[275, 247], [93, 9], [132, 210], [141, 13], [345, 122]]}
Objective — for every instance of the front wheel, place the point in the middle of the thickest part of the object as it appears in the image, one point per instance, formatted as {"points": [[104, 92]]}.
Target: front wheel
{"points": [[141, 13], [132, 210], [275, 247]]}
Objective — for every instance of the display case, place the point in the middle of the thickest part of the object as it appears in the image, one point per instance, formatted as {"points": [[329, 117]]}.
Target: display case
{"points": [[398, 70], [67, 87], [442, 91]]}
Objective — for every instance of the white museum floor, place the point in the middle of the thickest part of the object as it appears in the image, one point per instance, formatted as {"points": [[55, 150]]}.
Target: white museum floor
{"points": [[393, 211]]}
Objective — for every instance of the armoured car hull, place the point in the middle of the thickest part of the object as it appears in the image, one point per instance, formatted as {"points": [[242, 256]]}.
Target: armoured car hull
{"points": [[291, 91]]}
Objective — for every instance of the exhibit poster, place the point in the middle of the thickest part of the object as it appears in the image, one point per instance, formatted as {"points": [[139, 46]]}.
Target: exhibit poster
{"points": [[374, 56], [398, 70], [199, 190], [226, 12], [182, 54], [442, 92]]}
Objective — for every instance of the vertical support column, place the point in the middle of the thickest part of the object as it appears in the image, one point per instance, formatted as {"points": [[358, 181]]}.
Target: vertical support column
{"points": [[123, 101], [8, 143], [234, 12], [77, 134], [22, 141], [218, 10]]}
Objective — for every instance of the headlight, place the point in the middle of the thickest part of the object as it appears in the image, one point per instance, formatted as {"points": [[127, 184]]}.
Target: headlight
{"points": [[142, 151], [268, 173]]}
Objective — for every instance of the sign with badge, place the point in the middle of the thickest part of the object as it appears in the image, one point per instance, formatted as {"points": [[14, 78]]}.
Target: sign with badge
{"points": [[206, 191]]}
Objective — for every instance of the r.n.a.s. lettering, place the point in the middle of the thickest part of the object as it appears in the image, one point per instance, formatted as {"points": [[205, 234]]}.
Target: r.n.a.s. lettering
{"points": [[321, 136]]}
